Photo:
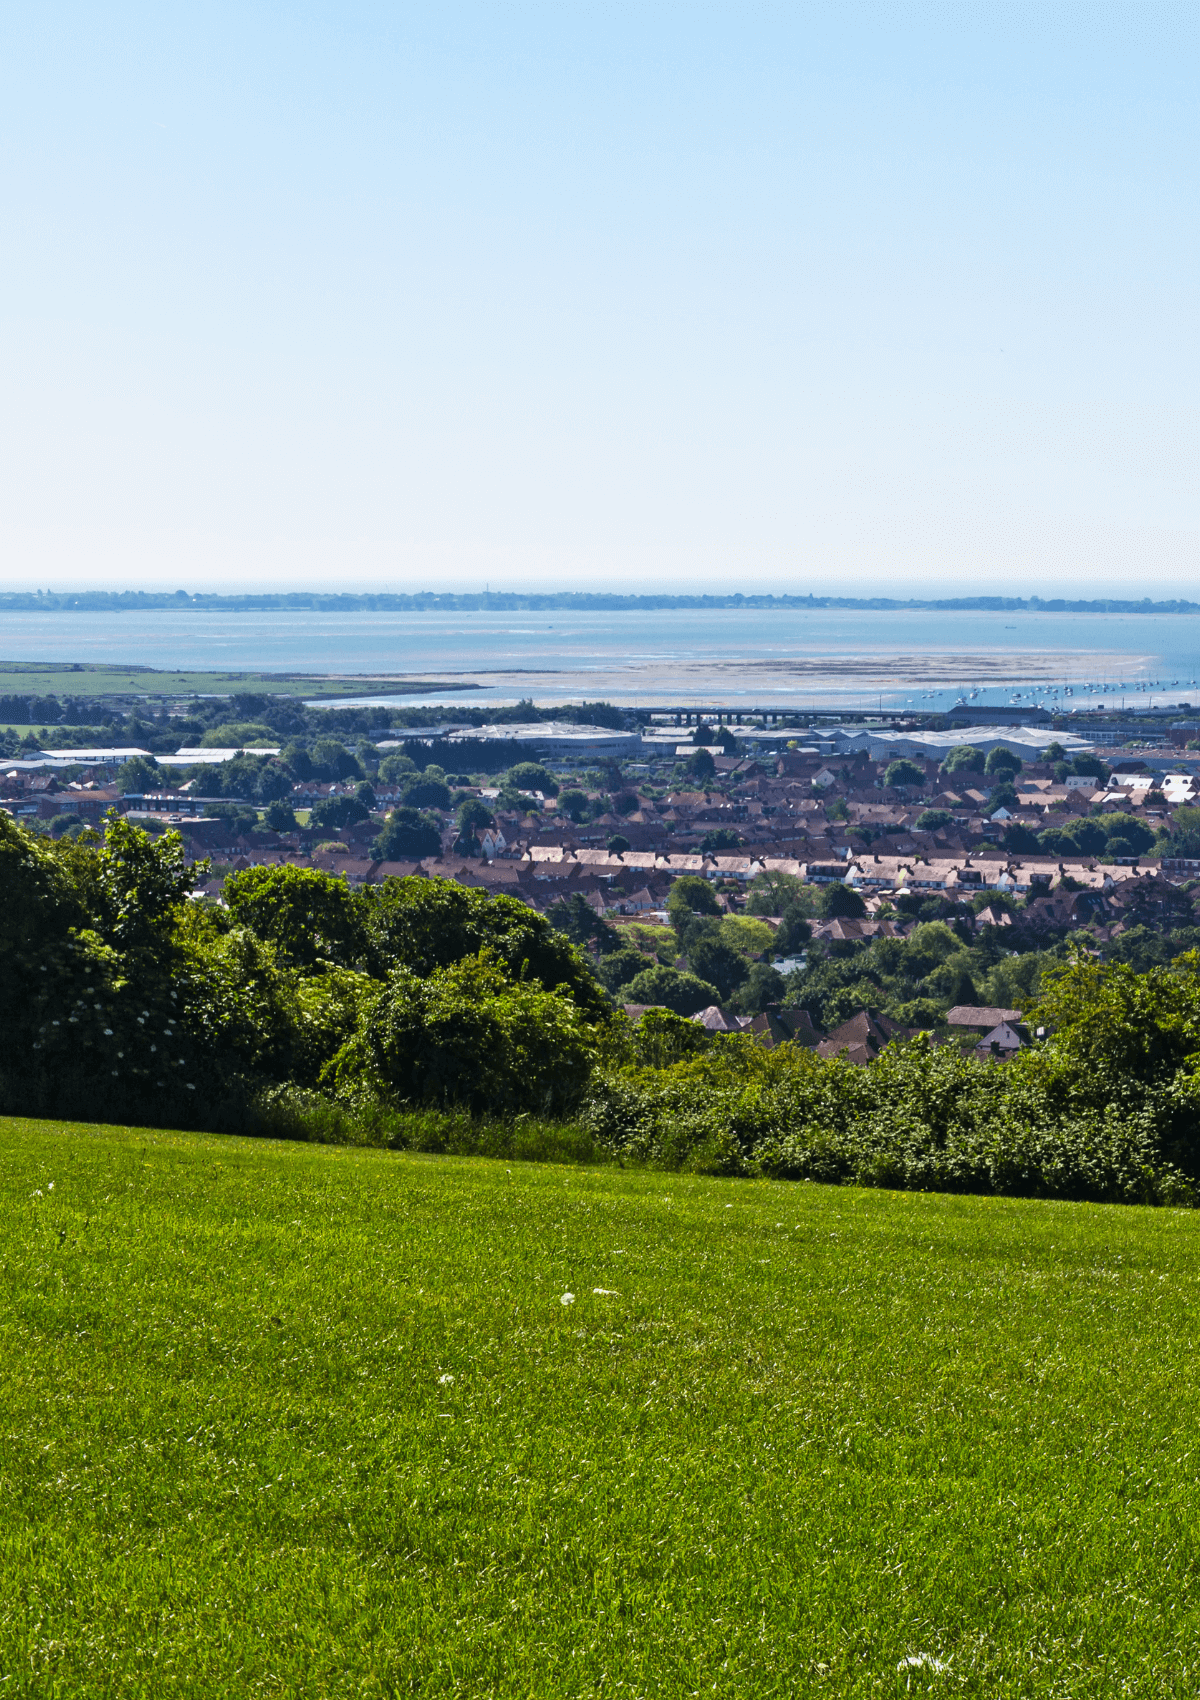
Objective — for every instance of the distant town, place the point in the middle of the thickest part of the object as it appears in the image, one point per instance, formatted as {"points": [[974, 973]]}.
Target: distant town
{"points": [[1021, 834], [113, 601]]}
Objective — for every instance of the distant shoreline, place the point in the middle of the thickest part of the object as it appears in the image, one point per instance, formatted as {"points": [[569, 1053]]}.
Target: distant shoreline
{"points": [[581, 601]]}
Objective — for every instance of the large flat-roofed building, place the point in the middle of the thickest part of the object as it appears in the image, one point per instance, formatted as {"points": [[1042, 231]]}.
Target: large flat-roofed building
{"points": [[81, 758], [1027, 742], [199, 756], [556, 738]]}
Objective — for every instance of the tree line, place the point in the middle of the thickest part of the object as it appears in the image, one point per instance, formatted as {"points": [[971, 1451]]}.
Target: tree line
{"points": [[300, 1006]]}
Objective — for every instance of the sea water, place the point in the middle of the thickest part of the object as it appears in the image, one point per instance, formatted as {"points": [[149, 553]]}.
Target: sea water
{"points": [[666, 655]]}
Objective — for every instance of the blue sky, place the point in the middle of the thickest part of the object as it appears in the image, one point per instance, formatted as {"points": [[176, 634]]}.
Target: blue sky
{"points": [[821, 297]]}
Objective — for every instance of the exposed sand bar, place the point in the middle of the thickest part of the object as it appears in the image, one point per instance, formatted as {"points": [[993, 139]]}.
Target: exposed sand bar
{"points": [[810, 679]]}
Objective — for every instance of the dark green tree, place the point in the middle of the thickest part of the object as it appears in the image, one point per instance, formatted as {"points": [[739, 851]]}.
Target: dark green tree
{"points": [[310, 917], [964, 760], [336, 761], [470, 1035], [407, 835], [396, 767], [1090, 766], [532, 776], [719, 839], [1001, 762], [424, 924], [427, 793], [574, 804], [139, 774], [1021, 839], [272, 783], [333, 813], [295, 758], [281, 817], [793, 932], [690, 901], [841, 901], [716, 962], [668, 987], [473, 816], [621, 966], [762, 987], [578, 921], [771, 893]]}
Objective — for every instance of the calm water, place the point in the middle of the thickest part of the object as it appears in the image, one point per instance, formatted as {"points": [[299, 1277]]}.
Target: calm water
{"points": [[665, 656]]}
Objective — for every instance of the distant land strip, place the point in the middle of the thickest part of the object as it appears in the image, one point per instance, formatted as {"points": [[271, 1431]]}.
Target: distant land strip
{"points": [[578, 601]]}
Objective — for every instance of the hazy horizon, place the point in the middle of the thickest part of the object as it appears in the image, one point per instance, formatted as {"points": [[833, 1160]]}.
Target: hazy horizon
{"points": [[884, 300]]}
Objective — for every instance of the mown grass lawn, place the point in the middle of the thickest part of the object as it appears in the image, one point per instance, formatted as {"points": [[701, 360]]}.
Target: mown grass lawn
{"points": [[282, 1419]]}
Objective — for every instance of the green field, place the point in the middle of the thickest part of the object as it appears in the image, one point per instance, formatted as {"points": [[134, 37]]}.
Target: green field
{"points": [[62, 678], [292, 1420]]}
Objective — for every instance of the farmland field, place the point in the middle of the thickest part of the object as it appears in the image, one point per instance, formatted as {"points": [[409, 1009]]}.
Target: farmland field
{"points": [[92, 679], [292, 1420]]}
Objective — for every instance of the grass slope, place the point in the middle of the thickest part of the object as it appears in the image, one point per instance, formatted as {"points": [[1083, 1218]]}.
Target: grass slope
{"points": [[289, 1420]]}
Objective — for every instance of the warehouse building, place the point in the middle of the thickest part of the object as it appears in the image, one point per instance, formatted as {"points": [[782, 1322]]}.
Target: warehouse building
{"points": [[1027, 742], [556, 738]]}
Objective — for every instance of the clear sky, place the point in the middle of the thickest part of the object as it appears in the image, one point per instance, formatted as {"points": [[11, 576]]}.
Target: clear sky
{"points": [[834, 297]]}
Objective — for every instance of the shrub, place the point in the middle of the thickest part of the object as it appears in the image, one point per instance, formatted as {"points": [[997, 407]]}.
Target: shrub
{"points": [[426, 924], [920, 1117], [309, 916], [468, 1035]]}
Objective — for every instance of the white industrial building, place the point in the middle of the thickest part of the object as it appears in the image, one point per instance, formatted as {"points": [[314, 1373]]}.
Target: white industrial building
{"points": [[556, 738], [207, 757], [1027, 742], [80, 758]]}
